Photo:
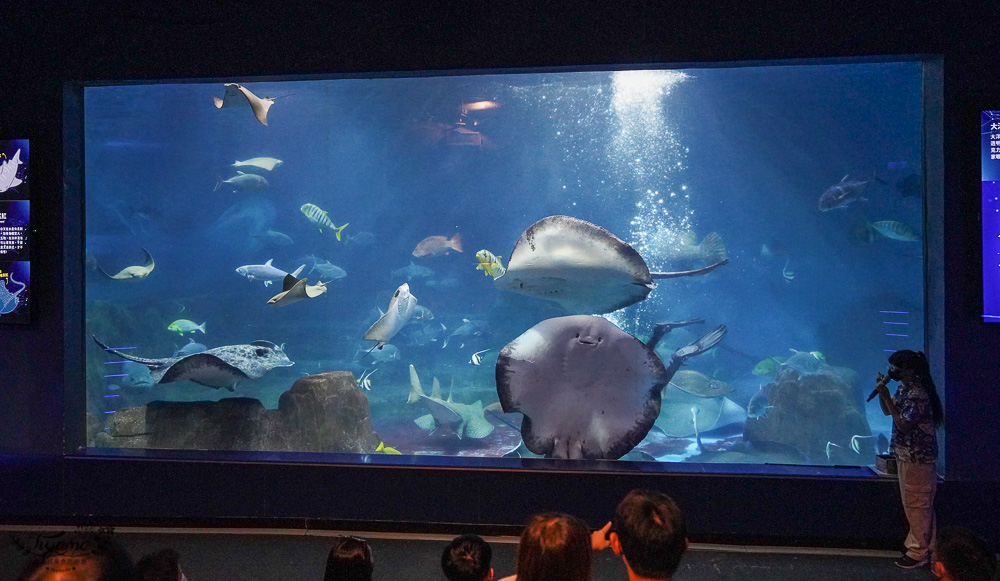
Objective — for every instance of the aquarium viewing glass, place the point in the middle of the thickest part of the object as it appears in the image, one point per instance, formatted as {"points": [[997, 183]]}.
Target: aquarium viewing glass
{"points": [[246, 239]]}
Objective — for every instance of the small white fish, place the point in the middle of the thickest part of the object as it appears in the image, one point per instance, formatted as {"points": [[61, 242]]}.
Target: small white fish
{"points": [[477, 357], [828, 445], [244, 182], [268, 163], [365, 381]]}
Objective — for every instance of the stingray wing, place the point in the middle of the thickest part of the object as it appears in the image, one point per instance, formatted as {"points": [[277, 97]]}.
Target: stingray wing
{"points": [[294, 291], [315, 290], [676, 417], [204, 368], [147, 262], [234, 97], [260, 106]]}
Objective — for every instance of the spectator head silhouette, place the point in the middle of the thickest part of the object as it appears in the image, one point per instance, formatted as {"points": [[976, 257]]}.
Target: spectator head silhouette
{"points": [[554, 547], [961, 556], [350, 559], [649, 533], [467, 558]]}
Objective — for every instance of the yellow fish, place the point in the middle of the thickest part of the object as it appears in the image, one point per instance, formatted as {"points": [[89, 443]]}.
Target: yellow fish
{"points": [[321, 219], [182, 326], [490, 264], [382, 448], [768, 366]]}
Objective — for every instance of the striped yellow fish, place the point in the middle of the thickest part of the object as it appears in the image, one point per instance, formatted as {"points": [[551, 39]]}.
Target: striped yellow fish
{"points": [[321, 219], [490, 264], [896, 230]]}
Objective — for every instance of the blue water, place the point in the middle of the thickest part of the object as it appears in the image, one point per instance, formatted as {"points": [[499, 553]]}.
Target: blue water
{"points": [[659, 158]]}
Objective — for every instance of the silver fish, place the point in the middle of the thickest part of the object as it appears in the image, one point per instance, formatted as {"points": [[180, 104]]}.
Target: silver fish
{"points": [[243, 182], [266, 272]]}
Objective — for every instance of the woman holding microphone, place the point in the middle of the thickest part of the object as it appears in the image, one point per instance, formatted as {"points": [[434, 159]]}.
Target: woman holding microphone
{"points": [[916, 412]]}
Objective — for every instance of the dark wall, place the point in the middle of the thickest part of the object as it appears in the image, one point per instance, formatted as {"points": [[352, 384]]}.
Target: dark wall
{"points": [[44, 46]]}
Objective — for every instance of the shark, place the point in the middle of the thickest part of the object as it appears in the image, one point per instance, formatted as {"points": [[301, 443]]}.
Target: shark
{"points": [[466, 420]]}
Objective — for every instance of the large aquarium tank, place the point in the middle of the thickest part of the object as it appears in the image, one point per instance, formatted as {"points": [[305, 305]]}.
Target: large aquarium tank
{"points": [[650, 265]]}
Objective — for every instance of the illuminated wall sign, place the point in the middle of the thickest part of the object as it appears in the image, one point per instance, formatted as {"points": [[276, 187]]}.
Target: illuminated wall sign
{"points": [[15, 226]]}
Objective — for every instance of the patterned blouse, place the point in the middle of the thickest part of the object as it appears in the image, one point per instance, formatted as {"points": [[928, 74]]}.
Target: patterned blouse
{"points": [[919, 445]]}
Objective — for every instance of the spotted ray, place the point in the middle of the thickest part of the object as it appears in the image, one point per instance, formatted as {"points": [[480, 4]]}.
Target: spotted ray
{"points": [[218, 367]]}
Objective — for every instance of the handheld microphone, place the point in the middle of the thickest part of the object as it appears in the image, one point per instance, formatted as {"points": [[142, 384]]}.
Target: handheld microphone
{"points": [[875, 391]]}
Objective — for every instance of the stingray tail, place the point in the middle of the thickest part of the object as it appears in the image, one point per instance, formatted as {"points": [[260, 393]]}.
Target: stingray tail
{"points": [[713, 250], [377, 345], [707, 341], [695, 272], [697, 435], [661, 329]]}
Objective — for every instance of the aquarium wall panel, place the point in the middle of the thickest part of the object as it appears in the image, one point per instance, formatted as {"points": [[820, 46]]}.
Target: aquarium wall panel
{"points": [[655, 266]]}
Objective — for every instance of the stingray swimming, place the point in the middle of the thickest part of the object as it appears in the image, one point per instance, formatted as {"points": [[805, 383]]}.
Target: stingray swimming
{"points": [[586, 388], [295, 290], [239, 96], [135, 272], [581, 266], [218, 367]]}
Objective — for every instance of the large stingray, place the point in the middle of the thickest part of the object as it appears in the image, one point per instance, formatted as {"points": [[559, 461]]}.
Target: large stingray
{"points": [[218, 367], [581, 266], [586, 388]]}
